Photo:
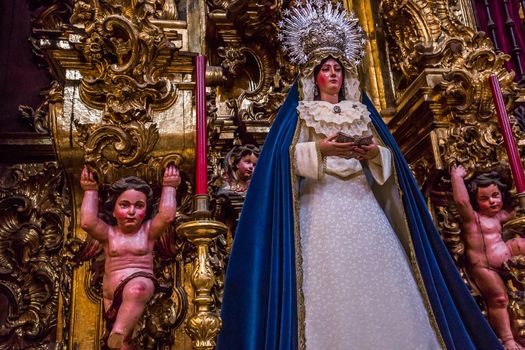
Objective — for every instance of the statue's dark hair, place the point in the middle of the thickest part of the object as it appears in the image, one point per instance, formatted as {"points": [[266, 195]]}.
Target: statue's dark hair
{"points": [[235, 155], [484, 180], [317, 69], [119, 187]]}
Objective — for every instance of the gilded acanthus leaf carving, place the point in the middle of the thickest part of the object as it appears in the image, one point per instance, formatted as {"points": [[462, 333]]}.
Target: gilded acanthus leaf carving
{"points": [[233, 58], [123, 47], [127, 56], [33, 214], [417, 33], [127, 145], [39, 117], [204, 329]]}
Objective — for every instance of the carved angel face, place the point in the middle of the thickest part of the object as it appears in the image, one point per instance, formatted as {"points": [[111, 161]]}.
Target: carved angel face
{"points": [[490, 200], [130, 210], [246, 166]]}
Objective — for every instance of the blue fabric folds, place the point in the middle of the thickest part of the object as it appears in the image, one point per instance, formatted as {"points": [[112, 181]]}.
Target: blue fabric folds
{"points": [[259, 309]]}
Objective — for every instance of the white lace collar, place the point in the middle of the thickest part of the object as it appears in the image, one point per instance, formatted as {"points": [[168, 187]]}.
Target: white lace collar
{"points": [[326, 119]]}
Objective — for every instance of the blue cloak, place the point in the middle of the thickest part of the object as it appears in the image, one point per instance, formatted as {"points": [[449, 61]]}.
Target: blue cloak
{"points": [[259, 309]]}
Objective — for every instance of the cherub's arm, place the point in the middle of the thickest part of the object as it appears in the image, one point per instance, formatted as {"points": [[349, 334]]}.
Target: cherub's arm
{"points": [[507, 215], [168, 202], [89, 219], [460, 193]]}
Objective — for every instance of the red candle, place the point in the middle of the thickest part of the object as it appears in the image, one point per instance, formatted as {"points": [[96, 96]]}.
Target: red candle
{"points": [[200, 107], [508, 138]]}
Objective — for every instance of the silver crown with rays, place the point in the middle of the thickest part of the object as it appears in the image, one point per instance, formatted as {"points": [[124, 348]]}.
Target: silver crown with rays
{"points": [[316, 28]]}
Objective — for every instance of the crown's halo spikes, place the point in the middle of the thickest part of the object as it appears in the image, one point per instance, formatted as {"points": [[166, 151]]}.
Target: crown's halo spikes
{"points": [[317, 27]]}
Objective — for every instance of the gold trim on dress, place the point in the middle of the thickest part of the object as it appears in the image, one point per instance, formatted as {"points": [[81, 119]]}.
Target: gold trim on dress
{"points": [[301, 338], [320, 162], [344, 178]]}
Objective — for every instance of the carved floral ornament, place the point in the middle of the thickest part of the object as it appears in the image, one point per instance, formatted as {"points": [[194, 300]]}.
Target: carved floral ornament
{"points": [[425, 41], [127, 56], [33, 217], [417, 30], [473, 136], [123, 48]]}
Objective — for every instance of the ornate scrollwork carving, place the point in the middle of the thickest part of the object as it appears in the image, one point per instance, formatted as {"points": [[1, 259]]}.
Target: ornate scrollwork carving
{"points": [[408, 26], [417, 31], [123, 46], [127, 145], [263, 110], [460, 99], [39, 117], [258, 76], [169, 10], [123, 49], [127, 56], [233, 58], [45, 22], [54, 16], [33, 217], [516, 286], [267, 70], [473, 135]]}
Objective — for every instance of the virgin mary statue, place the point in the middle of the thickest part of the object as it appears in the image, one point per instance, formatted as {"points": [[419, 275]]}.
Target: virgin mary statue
{"points": [[335, 248]]}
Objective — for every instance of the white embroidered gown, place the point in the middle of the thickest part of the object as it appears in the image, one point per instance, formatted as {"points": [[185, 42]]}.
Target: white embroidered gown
{"points": [[359, 290]]}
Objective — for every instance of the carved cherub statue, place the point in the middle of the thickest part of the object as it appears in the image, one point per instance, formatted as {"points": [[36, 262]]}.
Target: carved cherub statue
{"points": [[127, 234], [239, 165], [482, 213]]}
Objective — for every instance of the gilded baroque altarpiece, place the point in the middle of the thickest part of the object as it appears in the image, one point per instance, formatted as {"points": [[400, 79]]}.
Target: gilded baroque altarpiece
{"points": [[122, 102]]}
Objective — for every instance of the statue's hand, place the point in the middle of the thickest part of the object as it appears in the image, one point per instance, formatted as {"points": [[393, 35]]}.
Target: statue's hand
{"points": [[171, 177], [369, 151], [330, 147], [87, 180]]}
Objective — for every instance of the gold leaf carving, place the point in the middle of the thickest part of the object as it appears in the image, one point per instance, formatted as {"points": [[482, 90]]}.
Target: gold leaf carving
{"points": [[126, 145], [123, 47], [33, 272]]}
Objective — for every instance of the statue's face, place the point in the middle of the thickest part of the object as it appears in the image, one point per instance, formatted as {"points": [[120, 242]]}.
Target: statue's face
{"points": [[330, 78], [130, 210], [246, 166], [489, 199]]}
